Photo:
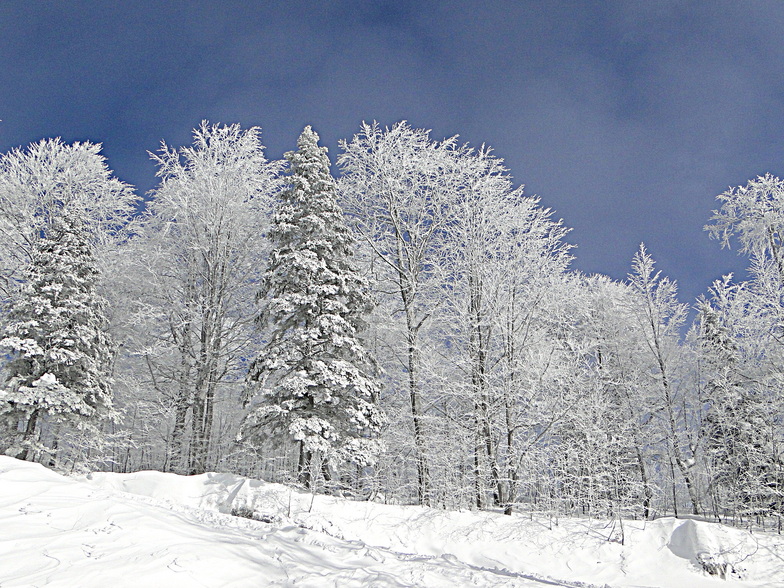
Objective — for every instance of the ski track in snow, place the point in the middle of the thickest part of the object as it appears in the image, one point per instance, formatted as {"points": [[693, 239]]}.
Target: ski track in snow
{"points": [[153, 529]]}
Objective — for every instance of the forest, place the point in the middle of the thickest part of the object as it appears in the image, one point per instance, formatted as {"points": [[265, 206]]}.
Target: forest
{"points": [[406, 330]]}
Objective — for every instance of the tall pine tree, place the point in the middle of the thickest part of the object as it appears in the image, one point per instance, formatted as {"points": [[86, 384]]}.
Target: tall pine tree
{"points": [[316, 377], [60, 352]]}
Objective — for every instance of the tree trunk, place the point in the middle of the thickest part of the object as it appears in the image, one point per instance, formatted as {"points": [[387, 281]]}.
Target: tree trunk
{"points": [[477, 349], [303, 466], [195, 465], [423, 489], [677, 454], [478, 490], [176, 451], [510, 351], [179, 455], [646, 487], [326, 474], [29, 437]]}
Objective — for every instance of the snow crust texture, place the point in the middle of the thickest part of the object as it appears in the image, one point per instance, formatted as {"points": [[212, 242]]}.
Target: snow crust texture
{"points": [[154, 529]]}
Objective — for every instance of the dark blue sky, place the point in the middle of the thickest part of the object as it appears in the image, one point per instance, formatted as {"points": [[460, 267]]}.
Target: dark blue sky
{"points": [[627, 118]]}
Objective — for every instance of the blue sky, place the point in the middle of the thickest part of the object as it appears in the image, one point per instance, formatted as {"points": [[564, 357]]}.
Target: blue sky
{"points": [[626, 118]]}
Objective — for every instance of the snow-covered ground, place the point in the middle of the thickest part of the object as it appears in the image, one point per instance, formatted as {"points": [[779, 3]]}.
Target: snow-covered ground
{"points": [[151, 529]]}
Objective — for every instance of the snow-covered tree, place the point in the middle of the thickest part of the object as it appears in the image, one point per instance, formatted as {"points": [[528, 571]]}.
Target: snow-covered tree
{"points": [[50, 178], [617, 409], [60, 352], [41, 187], [400, 188], [316, 378], [743, 340], [504, 257], [658, 315], [738, 419], [191, 279], [754, 215]]}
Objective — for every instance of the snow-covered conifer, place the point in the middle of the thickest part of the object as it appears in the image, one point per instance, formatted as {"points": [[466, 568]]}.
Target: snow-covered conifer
{"points": [[56, 334], [316, 377]]}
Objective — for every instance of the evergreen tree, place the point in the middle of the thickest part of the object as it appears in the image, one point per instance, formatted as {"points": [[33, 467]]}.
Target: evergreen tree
{"points": [[60, 352], [316, 376]]}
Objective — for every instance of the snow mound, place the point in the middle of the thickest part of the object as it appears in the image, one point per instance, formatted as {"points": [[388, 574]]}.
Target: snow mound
{"points": [[718, 550], [224, 493], [154, 529], [208, 491]]}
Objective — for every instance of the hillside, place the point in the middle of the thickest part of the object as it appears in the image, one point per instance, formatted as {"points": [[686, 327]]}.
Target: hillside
{"points": [[154, 529]]}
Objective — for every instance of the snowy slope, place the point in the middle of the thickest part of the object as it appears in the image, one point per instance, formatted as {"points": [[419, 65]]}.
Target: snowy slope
{"points": [[154, 529]]}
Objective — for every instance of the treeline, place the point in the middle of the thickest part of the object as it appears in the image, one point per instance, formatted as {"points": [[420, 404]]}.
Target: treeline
{"points": [[410, 331]]}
